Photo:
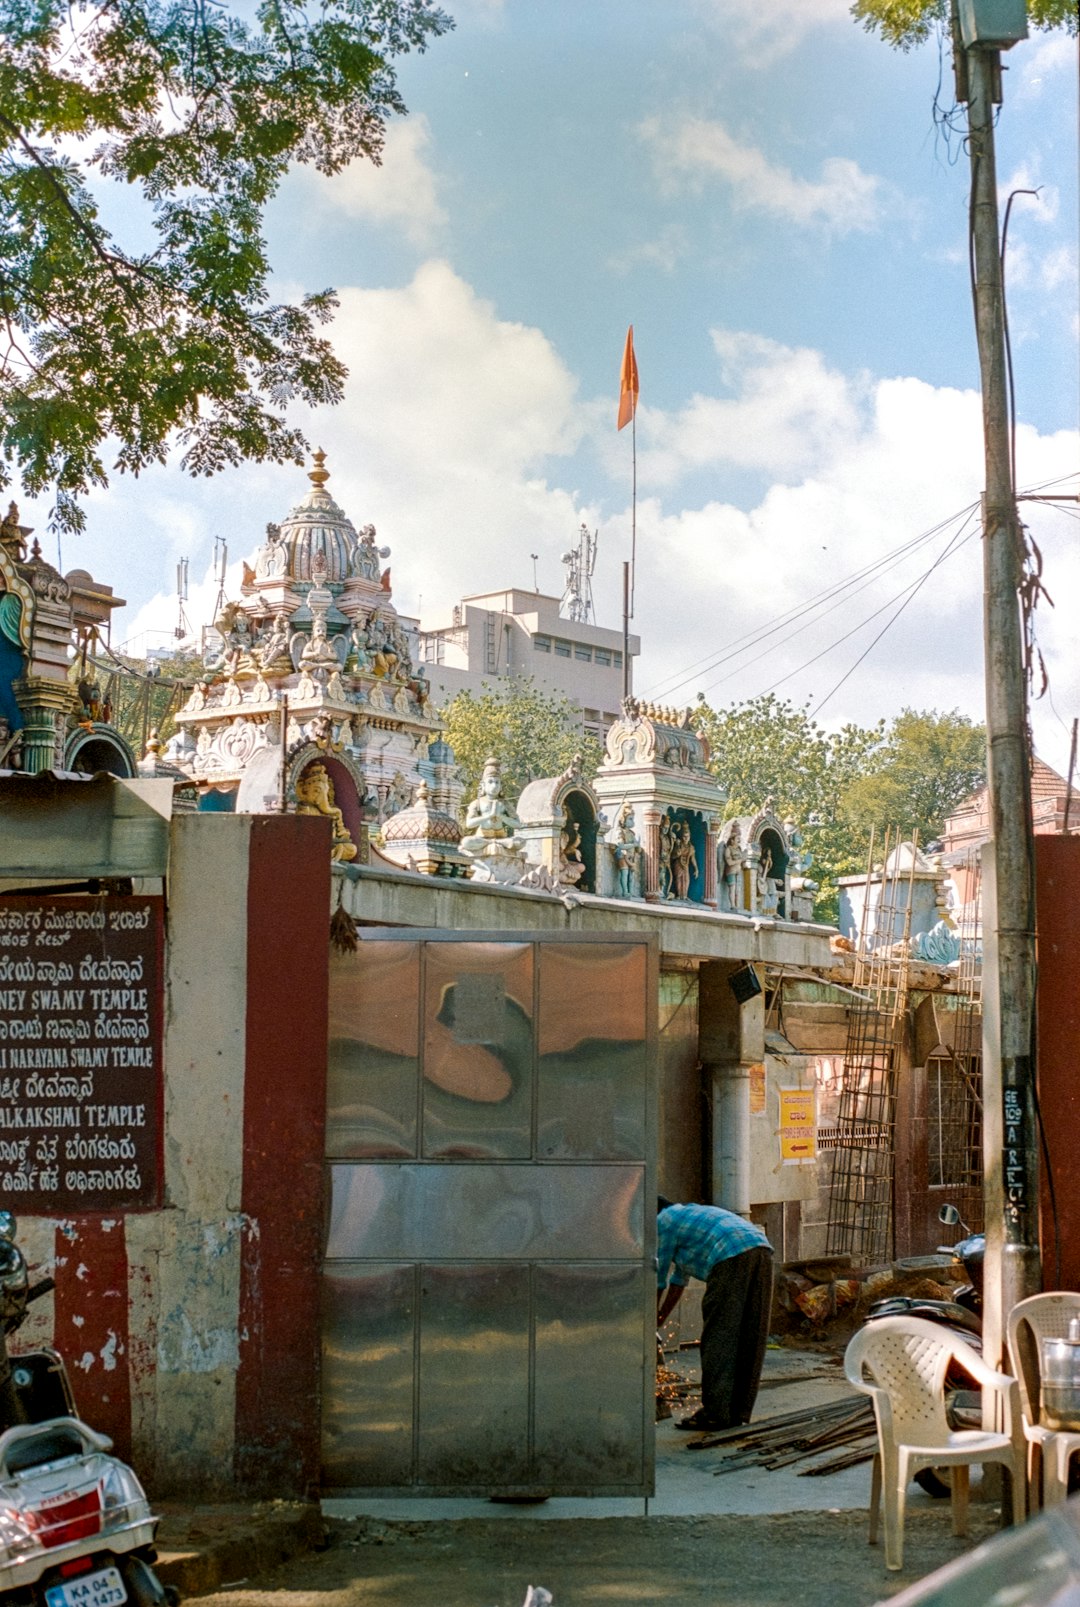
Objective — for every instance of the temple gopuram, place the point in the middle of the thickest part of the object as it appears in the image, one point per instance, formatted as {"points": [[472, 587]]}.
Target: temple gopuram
{"points": [[312, 701]]}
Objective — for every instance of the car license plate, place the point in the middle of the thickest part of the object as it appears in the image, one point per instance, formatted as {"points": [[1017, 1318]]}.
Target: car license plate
{"points": [[102, 1589]]}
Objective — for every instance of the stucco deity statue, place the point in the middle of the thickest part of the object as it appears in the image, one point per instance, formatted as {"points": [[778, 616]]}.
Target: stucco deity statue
{"points": [[272, 559], [625, 849], [684, 863], [732, 862], [384, 657], [11, 537], [767, 887], [664, 866], [237, 641], [491, 827], [275, 644], [315, 796], [571, 864]]}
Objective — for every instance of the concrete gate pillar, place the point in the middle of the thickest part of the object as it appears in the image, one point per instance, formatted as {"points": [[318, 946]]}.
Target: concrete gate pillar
{"points": [[731, 1038]]}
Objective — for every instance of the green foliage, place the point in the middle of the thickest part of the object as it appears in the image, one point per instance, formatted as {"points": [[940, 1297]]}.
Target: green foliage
{"points": [[904, 23], [839, 786], [930, 763], [769, 748], [143, 698], [533, 733], [199, 109]]}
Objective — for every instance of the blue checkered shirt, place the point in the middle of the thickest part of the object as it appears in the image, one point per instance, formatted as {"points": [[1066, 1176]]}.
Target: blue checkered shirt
{"points": [[696, 1237]]}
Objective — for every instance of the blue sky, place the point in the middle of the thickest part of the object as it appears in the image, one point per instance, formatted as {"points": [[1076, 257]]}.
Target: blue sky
{"points": [[764, 191]]}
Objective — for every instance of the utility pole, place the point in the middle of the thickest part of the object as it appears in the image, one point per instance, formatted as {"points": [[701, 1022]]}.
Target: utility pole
{"points": [[1013, 1269]]}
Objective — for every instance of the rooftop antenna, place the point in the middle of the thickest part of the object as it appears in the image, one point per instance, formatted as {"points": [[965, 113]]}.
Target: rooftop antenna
{"points": [[580, 561], [221, 563], [536, 584], [183, 627]]}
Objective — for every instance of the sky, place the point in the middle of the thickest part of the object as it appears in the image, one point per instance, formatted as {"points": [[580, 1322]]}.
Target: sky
{"points": [[777, 201]]}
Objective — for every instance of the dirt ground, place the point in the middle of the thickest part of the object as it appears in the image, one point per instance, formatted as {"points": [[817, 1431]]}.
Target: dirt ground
{"points": [[808, 1560]]}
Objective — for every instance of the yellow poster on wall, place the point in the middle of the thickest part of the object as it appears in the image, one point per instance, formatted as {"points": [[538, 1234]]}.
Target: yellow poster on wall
{"points": [[798, 1125]]}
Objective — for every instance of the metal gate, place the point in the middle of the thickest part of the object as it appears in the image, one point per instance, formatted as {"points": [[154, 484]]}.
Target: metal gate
{"points": [[489, 1295]]}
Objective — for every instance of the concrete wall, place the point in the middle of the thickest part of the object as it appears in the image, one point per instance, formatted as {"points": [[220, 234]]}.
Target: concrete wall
{"points": [[682, 1112], [189, 1330], [1057, 892]]}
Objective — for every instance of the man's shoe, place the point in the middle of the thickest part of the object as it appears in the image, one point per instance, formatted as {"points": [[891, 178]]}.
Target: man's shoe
{"points": [[697, 1423]]}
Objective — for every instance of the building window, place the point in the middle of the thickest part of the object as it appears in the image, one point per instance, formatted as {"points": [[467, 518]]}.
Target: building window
{"points": [[617, 659], [584, 653], [542, 644], [602, 655], [562, 649]]}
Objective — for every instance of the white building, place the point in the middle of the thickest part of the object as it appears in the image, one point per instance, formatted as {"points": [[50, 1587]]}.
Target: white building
{"points": [[499, 634]]}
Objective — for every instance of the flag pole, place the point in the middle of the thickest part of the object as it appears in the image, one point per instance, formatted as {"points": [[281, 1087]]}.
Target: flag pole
{"points": [[628, 397], [633, 510]]}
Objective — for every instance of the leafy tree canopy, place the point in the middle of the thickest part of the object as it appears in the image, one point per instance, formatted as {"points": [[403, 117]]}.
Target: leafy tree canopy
{"points": [[909, 22], [770, 748], [928, 765], [840, 785], [200, 108], [532, 732]]}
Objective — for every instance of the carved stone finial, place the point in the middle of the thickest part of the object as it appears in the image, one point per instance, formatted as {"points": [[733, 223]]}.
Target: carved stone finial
{"points": [[318, 475], [153, 744]]}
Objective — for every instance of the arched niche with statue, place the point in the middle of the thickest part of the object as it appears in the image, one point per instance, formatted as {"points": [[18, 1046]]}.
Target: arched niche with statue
{"points": [[683, 847], [560, 824], [322, 781], [768, 865]]}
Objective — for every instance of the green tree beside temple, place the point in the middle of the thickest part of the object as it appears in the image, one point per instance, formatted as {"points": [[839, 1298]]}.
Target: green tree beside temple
{"points": [[189, 116], [533, 733]]}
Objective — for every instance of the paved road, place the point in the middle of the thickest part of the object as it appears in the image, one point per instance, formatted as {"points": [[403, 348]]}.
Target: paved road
{"points": [[802, 1560]]}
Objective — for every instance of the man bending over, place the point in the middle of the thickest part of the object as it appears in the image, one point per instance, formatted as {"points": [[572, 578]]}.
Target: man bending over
{"points": [[733, 1259]]}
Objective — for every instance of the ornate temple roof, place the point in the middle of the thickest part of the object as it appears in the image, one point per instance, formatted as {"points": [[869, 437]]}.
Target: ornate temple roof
{"points": [[317, 527]]}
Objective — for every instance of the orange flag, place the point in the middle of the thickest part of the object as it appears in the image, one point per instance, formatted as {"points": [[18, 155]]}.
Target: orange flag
{"points": [[628, 381]]}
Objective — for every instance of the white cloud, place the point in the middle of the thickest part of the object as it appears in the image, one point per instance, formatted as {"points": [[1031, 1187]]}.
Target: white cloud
{"points": [[790, 412], [761, 33], [401, 191], [665, 252], [454, 441], [909, 457], [450, 417], [1060, 269], [1042, 205], [1043, 61], [688, 150]]}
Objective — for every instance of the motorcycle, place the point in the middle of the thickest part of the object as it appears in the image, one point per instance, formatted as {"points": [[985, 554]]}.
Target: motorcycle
{"points": [[76, 1529], [963, 1314]]}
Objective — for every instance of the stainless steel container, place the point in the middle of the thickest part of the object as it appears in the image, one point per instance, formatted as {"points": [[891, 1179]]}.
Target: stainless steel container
{"points": [[1061, 1380]]}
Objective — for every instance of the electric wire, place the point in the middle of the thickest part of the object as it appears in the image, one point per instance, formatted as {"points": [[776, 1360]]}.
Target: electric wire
{"points": [[838, 603], [752, 638], [912, 591]]}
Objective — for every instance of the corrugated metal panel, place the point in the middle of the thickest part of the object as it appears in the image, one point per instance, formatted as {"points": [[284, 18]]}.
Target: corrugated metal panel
{"points": [[62, 827]]}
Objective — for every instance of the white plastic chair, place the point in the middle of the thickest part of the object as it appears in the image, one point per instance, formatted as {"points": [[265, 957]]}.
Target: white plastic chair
{"points": [[901, 1362], [1050, 1450]]}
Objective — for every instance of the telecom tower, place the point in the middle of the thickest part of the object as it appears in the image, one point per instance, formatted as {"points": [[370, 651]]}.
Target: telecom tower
{"points": [[183, 628], [580, 561]]}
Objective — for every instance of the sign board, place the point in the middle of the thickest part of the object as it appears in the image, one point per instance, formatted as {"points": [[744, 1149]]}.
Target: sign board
{"points": [[798, 1125], [81, 1077]]}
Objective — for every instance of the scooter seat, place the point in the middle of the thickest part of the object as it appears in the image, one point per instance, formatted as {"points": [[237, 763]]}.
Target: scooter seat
{"points": [[51, 1445]]}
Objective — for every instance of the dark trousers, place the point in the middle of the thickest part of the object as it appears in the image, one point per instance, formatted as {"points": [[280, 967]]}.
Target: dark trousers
{"points": [[735, 1312]]}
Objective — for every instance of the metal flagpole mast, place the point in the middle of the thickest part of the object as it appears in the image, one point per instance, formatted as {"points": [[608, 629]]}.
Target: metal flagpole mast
{"points": [[633, 510], [628, 396]]}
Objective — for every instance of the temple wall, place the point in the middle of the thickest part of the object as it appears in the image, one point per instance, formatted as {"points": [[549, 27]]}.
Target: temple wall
{"points": [[188, 1330]]}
